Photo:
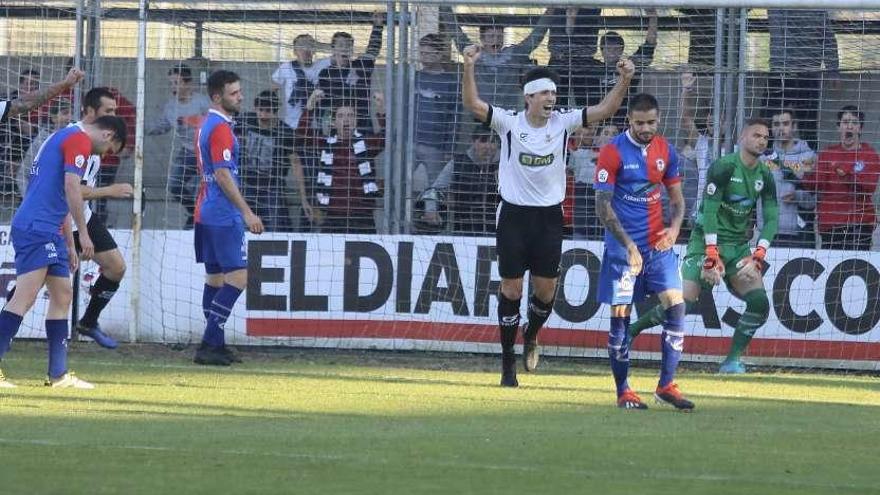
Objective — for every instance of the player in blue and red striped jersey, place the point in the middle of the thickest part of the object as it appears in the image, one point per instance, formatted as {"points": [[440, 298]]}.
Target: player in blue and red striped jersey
{"points": [[639, 260], [43, 238], [220, 217]]}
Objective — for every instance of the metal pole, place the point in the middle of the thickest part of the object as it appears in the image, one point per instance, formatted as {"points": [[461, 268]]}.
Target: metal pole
{"points": [[741, 74], [137, 204], [409, 163], [399, 112], [76, 113], [729, 97], [716, 83], [390, 108], [706, 4]]}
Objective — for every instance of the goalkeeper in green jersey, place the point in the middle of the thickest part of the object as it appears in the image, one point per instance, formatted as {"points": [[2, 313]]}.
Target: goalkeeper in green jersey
{"points": [[719, 244]]}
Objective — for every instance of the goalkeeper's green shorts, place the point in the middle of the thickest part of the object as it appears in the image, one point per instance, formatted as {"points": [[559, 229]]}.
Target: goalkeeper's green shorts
{"points": [[731, 254]]}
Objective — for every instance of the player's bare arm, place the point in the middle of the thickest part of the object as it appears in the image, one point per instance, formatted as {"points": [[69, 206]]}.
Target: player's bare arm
{"points": [[612, 223], [469, 95], [676, 218], [296, 169], [67, 229], [31, 101], [609, 105], [116, 191], [224, 179], [75, 205]]}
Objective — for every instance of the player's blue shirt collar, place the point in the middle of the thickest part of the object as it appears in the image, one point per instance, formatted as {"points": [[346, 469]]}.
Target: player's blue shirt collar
{"points": [[643, 147], [222, 116]]}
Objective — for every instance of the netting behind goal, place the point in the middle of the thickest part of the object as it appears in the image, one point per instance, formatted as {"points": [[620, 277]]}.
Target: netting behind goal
{"points": [[398, 250]]}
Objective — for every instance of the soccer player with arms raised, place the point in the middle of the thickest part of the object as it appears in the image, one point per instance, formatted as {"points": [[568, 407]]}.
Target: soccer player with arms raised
{"points": [[638, 259], [43, 238], [531, 183], [719, 245], [221, 216]]}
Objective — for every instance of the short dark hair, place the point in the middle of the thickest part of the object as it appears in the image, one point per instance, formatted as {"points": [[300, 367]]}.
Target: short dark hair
{"points": [[482, 133], [28, 73], [434, 40], [267, 99], [341, 34], [59, 104], [785, 109], [218, 80], [301, 37], [490, 27], [93, 98], [183, 71], [612, 37], [756, 121], [643, 102], [539, 73], [113, 123], [854, 110]]}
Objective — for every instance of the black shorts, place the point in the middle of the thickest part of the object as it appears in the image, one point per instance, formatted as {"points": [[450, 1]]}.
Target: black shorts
{"points": [[99, 234], [529, 238]]}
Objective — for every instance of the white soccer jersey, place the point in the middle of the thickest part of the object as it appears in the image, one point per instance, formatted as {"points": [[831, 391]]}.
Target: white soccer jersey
{"points": [[531, 171], [4, 109], [90, 178]]}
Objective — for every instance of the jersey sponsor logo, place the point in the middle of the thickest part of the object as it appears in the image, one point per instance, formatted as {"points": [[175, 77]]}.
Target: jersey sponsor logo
{"points": [[736, 179], [631, 166], [602, 175], [858, 166], [711, 188], [530, 160], [79, 161], [759, 185], [661, 164], [227, 154]]}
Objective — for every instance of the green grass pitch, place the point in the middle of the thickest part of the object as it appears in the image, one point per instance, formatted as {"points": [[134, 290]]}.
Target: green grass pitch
{"points": [[319, 422]]}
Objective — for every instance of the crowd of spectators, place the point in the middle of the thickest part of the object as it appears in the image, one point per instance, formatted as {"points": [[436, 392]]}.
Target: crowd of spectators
{"points": [[320, 122]]}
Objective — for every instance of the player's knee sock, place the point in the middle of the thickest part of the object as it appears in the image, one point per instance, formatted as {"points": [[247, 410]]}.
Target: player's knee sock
{"points": [[755, 315], [101, 292], [618, 352], [208, 294], [221, 307], [672, 341], [538, 313], [508, 323], [648, 319], [57, 335], [9, 325]]}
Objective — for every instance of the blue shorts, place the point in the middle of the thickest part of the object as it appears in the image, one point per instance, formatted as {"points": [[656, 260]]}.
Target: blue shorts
{"points": [[659, 273], [35, 250], [222, 249]]}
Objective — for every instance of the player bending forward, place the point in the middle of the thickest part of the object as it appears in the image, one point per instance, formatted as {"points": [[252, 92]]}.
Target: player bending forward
{"points": [[638, 259]]}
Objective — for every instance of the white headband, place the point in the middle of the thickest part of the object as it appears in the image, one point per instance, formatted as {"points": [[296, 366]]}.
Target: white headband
{"points": [[538, 85]]}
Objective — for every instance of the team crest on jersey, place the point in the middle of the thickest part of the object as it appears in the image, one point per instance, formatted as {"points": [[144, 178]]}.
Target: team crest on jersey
{"points": [[603, 176], [858, 166], [710, 189], [79, 161], [523, 136], [759, 185], [227, 154], [660, 164]]}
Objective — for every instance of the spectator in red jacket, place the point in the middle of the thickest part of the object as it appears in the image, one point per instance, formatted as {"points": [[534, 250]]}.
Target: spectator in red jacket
{"points": [[845, 179]]}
